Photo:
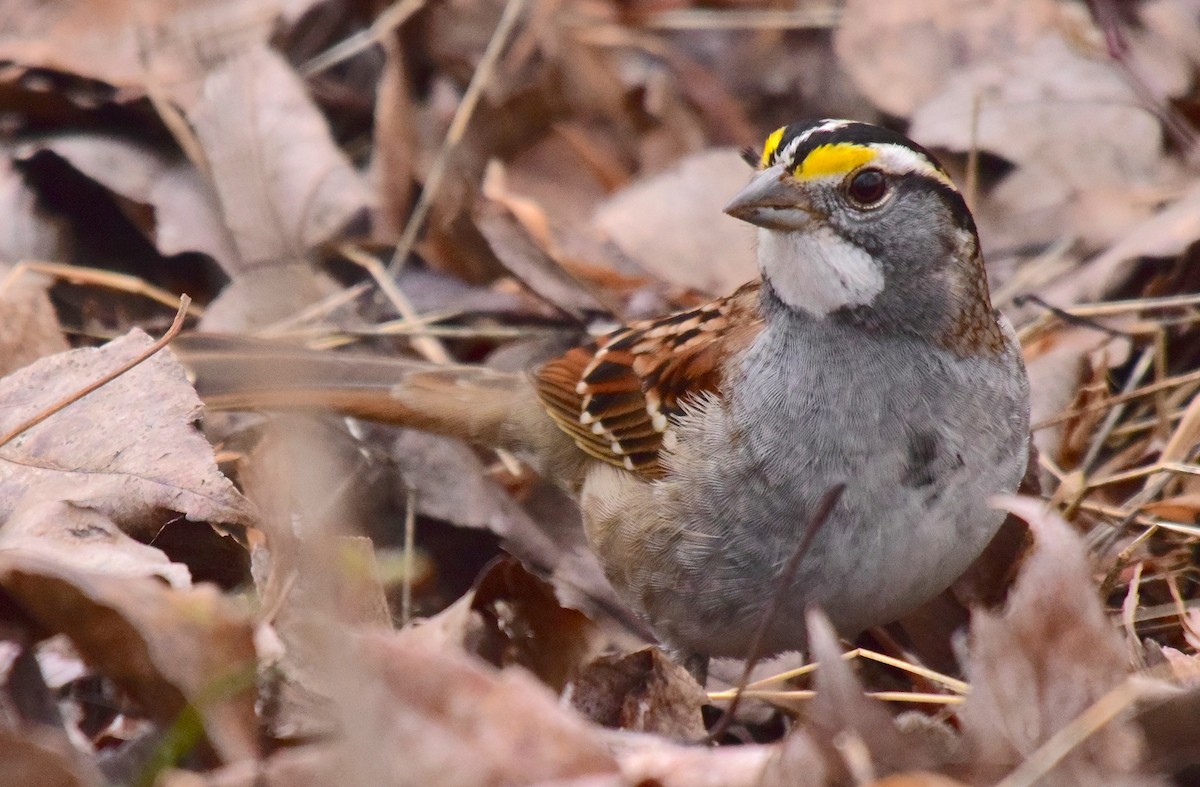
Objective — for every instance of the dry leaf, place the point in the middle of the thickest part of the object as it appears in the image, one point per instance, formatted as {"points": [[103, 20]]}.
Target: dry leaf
{"points": [[452, 485], [28, 324], [49, 524], [443, 718], [1167, 233], [283, 184], [511, 617], [642, 691], [34, 757], [134, 441], [395, 146], [672, 223], [900, 53], [520, 253], [841, 711], [132, 44], [648, 760], [166, 648], [1042, 661], [187, 216], [1070, 122]]}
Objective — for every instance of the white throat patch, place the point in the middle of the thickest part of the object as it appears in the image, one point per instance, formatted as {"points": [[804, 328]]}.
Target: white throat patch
{"points": [[817, 271]]}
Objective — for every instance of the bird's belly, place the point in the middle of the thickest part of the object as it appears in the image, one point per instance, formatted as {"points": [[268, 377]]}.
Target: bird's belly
{"points": [[702, 553]]}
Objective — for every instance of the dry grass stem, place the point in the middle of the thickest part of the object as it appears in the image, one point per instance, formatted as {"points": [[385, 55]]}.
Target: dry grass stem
{"points": [[513, 11], [75, 274]]}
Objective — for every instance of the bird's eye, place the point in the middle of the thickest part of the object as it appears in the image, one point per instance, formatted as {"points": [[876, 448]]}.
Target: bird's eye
{"points": [[867, 188]]}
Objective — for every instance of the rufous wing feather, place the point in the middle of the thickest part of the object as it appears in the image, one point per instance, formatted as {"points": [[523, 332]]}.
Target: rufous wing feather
{"points": [[617, 397]]}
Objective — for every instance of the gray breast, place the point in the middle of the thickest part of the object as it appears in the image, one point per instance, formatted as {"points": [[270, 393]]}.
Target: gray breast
{"points": [[921, 439]]}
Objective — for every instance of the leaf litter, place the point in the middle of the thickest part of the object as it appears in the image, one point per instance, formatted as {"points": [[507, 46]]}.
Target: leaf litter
{"points": [[247, 155]]}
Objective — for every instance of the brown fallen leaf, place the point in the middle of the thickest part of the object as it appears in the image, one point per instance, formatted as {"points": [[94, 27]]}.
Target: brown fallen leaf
{"points": [[1166, 233], [29, 324], [283, 184], [395, 145], [854, 730], [901, 53], [49, 524], [511, 617], [132, 45], [445, 718], [1044, 660], [34, 757], [134, 441], [166, 648], [672, 223], [186, 214], [643, 691], [1072, 124], [519, 251], [648, 759]]}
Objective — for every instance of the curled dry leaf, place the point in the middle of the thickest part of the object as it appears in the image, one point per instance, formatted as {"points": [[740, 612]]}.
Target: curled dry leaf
{"points": [[1043, 661], [166, 648], [643, 691], [48, 523], [30, 325], [672, 223], [519, 251], [513, 618], [186, 216], [134, 441]]}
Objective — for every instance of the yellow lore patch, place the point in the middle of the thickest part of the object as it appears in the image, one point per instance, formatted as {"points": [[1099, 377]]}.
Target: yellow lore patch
{"points": [[834, 159], [772, 144]]}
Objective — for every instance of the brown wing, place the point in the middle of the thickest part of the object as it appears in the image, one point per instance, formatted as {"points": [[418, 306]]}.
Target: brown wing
{"points": [[616, 398]]}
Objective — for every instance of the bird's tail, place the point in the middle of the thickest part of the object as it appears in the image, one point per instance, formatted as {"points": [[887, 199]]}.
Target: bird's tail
{"points": [[473, 403]]}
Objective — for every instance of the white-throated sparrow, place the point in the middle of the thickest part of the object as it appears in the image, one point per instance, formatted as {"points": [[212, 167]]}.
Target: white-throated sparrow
{"points": [[701, 442]]}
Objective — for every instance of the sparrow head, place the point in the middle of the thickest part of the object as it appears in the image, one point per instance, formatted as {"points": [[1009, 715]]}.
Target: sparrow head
{"points": [[860, 223]]}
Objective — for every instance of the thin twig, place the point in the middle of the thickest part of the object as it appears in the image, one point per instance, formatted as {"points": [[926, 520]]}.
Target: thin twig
{"points": [[971, 192], [712, 19], [454, 134], [1170, 382], [865, 653], [76, 274], [106, 379], [781, 696], [782, 589], [392, 17], [313, 311], [1066, 316], [1114, 415], [410, 530], [428, 346]]}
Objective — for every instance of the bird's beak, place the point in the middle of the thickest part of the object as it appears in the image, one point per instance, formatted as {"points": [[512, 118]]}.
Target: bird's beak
{"points": [[772, 199]]}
